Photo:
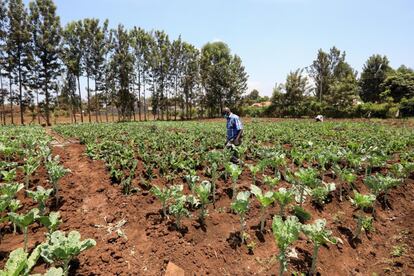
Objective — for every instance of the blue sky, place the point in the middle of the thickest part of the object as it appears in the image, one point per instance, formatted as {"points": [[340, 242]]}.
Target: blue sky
{"points": [[272, 37]]}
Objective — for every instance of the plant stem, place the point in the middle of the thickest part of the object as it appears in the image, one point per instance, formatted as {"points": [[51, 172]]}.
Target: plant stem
{"points": [[359, 228], [282, 258], [234, 189], [25, 238], [262, 217], [314, 259], [242, 227]]}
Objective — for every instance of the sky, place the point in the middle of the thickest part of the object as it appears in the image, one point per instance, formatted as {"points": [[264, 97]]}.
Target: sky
{"points": [[273, 37]]}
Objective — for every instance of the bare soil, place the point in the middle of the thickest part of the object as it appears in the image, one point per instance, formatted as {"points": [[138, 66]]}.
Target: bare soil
{"points": [[145, 244]]}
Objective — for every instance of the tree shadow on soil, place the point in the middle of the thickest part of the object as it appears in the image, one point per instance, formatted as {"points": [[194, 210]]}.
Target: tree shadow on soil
{"points": [[353, 242], [234, 240]]}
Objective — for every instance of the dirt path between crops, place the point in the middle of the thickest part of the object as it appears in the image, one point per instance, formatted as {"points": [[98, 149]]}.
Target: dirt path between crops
{"points": [[95, 208]]}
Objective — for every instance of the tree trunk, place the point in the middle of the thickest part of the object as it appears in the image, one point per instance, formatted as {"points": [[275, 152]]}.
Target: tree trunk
{"points": [[145, 103], [47, 105], [139, 95], [175, 99], [11, 100], [3, 102], [97, 103], [37, 106], [89, 103], [80, 99], [21, 95]]}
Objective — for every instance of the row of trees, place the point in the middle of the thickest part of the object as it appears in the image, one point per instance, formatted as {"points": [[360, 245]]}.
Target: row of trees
{"points": [[330, 85], [125, 70]]}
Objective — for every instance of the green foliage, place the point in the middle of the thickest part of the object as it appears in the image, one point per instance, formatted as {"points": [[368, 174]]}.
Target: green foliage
{"points": [[166, 195], [301, 214], [271, 181], [283, 197], [29, 167], [241, 205], [56, 172], [319, 235], [320, 194], [285, 233], [381, 184], [40, 196], [52, 221], [23, 222], [178, 209], [62, 249], [234, 171], [20, 262], [203, 191], [265, 200], [363, 201]]}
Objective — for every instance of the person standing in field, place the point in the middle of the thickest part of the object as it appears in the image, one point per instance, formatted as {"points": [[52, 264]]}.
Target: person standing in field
{"points": [[234, 128]]}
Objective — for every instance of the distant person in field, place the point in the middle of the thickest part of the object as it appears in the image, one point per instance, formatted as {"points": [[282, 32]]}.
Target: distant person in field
{"points": [[319, 118], [234, 133]]}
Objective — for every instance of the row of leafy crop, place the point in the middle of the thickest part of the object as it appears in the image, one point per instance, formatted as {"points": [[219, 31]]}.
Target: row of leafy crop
{"points": [[174, 150], [315, 159], [24, 150]]}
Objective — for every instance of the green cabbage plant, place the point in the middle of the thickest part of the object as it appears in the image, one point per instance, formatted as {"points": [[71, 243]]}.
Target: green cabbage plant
{"points": [[241, 205], [61, 249], [23, 221], [319, 235], [40, 196], [285, 233], [265, 200]]}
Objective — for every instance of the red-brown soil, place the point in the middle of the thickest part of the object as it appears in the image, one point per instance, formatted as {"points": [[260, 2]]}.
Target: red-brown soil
{"points": [[90, 204]]}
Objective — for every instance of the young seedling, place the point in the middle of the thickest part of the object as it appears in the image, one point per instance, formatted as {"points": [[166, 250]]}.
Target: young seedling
{"points": [[271, 181], [241, 206], [234, 171], [56, 172], [319, 235], [320, 193], [191, 180], [179, 210], [23, 222], [380, 184], [283, 197], [62, 249], [345, 176], [51, 222], [254, 169], [285, 233], [203, 191], [8, 176], [29, 167], [214, 158], [305, 179], [10, 190], [14, 205], [165, 195], [362, 202], [40, 196], [276, 162], [20, 263], [265, 200]]}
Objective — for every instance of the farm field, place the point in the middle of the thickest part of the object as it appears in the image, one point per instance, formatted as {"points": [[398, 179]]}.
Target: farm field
{"points": [[150, 193]]}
